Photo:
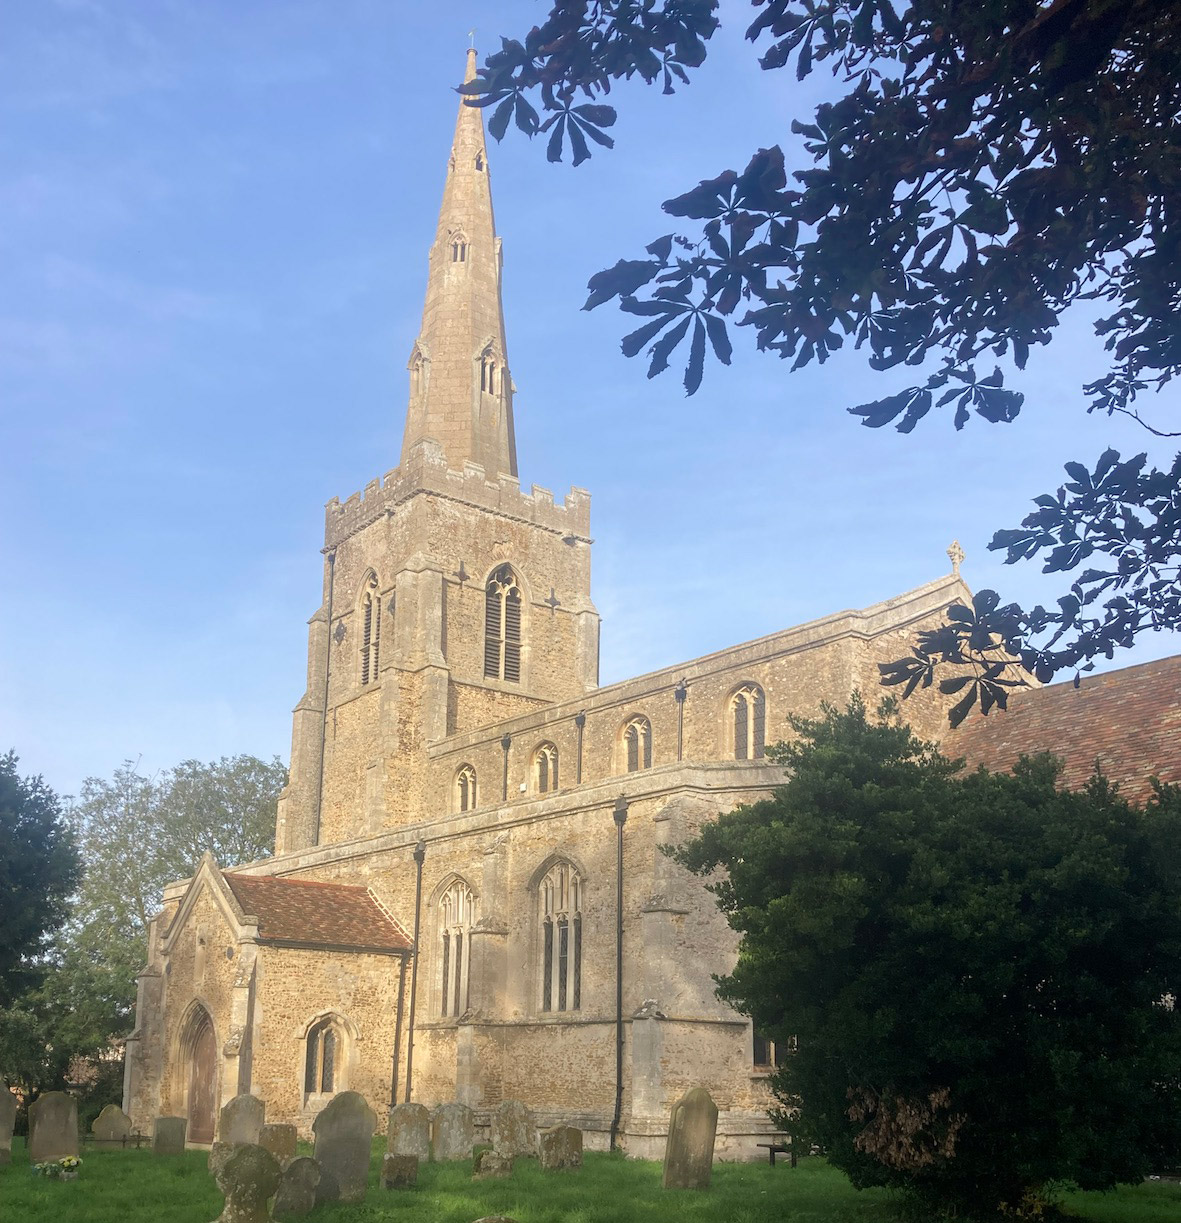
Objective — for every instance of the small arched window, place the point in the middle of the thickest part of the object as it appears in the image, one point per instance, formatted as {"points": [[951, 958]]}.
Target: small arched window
{"points": [[457, 915], [321, 1058], [488, 374], [545, 768], [370, 630], [479, 161], [637, 743], [560, 911], [748, 709], [465, 788], [458, 248], [502, 626]]}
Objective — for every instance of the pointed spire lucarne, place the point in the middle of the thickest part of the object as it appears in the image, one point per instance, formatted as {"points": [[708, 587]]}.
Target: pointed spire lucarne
{"points": [[461, 394]]}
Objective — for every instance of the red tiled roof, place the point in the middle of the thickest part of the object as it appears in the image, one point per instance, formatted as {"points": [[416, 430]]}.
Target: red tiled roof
{"points": [[1128, 720], [317, 914]]}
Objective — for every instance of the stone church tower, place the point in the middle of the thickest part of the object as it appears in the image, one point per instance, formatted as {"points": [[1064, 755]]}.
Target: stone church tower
{"points": [[468, 898]]}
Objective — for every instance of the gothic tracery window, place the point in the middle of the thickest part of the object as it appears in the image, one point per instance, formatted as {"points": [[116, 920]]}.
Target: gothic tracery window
{"points": [[502, 626], [321, 1058], [370, 630], [637, 743], [457, 915], [560, 906], [545, 768], [458, 248], [748, 708], [465, 788]]}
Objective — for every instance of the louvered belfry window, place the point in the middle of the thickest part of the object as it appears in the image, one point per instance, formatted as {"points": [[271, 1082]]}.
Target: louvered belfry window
{"points": [[637, 742], [560, 903], [749, 706], [502, 627], [370, 630], [457, 915]]}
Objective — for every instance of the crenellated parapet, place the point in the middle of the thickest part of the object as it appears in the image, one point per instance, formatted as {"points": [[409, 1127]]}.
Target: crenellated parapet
{"points": [[425, 471]]}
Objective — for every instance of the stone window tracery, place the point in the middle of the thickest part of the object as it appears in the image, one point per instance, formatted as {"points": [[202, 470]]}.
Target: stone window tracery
{"points": [[748, 710], [465, 788], [560, 906], [545, 768], [637, 743], [502, 626], [458, 248], [457, 915], [321, 1058], [370, 630]]}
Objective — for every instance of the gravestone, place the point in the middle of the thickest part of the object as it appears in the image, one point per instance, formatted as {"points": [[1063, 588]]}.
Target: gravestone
{"points": [[219, 1155], [297, 1189], [399, 1171], [111, 1125], [344, 1134], [53, 1127], [689, 1155], [409, 1131], [453, 1132], [168, 1135], [560, 1147], [279, 1140], [513, 1131], [489, 1165], [7, 1121], [248, 1178], [241, 1120]]}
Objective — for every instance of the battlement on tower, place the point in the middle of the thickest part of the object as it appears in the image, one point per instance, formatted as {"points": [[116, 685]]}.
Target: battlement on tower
{"points": [[425, 471]]}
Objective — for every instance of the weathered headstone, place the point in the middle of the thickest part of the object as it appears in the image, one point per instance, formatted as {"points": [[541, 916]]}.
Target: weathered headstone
{"points": [[168, 1135], [560, 1147], [53, 1127], [241, 1120], [219, 1156], [297, 1189], [111, 1125], [7, 1121], [689, 1155], [409, 1131], [453, 1132], [344, 1134], [513, 1131], [489, 1164], [279, 1140], [399, 1171], [248, 1179]]}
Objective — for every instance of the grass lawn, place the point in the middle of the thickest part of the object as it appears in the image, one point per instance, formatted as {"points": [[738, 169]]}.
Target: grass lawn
{"points": [[139, 1187]]}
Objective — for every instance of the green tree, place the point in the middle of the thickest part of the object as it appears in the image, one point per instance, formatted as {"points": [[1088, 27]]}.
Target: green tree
{"points": [[988, 166], [976, 972], [39, 868]]}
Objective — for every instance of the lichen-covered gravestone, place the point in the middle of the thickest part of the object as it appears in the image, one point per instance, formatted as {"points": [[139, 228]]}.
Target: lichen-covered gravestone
{"points": [[168, 1135], [297, 1189], [344, 1133], [7, 1121], [53, 1127], [409, 1131], [248, 1179], [241, 1120], [513, 1130], [279, 1140], [490, 1165], [689, 1155], [560, 1147], [399, 1171], [453, 1132], [112, 1125]]}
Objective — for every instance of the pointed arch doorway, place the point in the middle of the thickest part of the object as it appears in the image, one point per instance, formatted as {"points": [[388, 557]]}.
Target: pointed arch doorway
{"points": [[202, 1077]]}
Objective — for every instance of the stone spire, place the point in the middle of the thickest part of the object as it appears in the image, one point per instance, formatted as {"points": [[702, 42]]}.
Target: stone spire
{"points": [[461, 393]]}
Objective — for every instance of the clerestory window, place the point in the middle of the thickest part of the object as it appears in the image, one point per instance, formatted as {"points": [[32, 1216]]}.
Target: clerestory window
{"points": [[748, 709], [637, 743], [545, 768], [465, 788]]}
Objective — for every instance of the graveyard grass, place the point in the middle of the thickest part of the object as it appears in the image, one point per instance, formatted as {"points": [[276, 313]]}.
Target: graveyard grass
{"points": [[139, 1187]]}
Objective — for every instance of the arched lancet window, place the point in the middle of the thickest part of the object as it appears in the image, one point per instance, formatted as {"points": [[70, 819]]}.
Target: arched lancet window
{"points": [[465, 788], [545, 768], [370, 630], [488, 377], [748, 708], [560, 910], [457, 915], [322, 1058], [479, 161], [458, 248], [637, 743], [502, 626]]}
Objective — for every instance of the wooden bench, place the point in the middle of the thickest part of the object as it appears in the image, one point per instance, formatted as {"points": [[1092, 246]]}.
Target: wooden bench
{"points": [[779, 1148]]}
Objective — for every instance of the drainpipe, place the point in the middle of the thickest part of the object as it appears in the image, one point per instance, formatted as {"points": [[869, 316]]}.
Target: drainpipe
{"points": [[398, 1033], [327, 673], [505, 744], [419, 855], [620, 815], [680, 692], [580, 722]]}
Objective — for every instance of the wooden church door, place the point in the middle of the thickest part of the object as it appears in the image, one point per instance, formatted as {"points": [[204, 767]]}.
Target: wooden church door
{"points": [[203, 1083]]}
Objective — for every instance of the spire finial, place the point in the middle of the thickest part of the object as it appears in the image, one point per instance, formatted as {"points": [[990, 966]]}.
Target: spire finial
{"points": [[955, 554]]}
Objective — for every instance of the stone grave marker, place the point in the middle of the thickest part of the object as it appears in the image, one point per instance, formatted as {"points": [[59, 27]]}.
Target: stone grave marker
{"points": [[399, 1171], [53, 1127], [248, 1178], [279, 1140], [241, 1120], [297, 1189], [219, 1154], [453, 1132], [560, 1147], [489, 1164], [513, 1131], [168, 1135], [111, 1125], [409, 1131], [689, 1155], [7, 1121], [344, 1133]]}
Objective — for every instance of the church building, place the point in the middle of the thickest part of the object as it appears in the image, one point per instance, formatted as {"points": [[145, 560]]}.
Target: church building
{"points": [[468, 897]]}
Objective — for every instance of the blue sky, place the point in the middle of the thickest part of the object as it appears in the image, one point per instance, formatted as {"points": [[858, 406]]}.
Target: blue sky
{"points": [[214, 220]]}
